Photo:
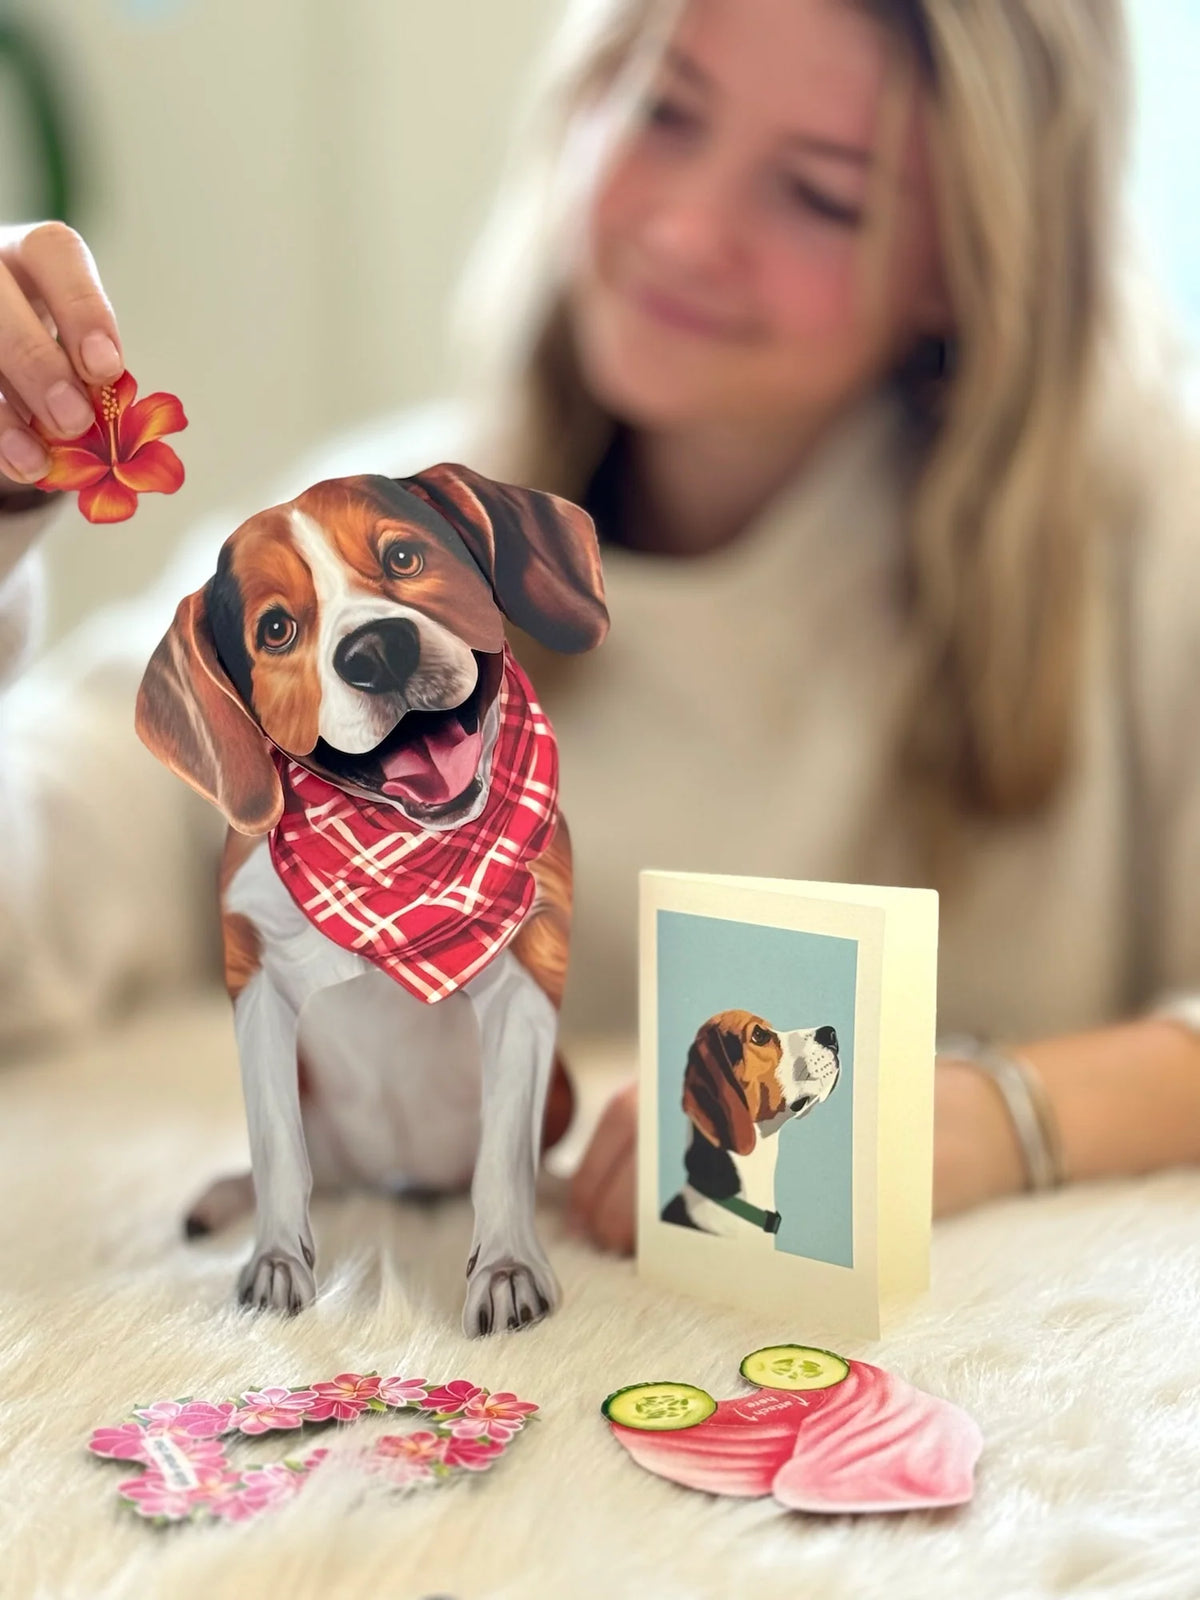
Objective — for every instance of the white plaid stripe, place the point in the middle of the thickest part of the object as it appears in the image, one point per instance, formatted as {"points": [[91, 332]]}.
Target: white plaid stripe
{"points": [[431, 909]]}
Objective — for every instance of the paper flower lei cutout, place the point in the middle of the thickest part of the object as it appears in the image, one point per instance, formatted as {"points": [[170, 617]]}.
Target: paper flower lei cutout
{"points": [[187, 1474], [121, 455]]}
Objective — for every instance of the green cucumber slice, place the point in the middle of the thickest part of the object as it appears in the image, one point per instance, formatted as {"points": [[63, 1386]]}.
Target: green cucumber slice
{"points": [[659, 1407], [794, 1366]]}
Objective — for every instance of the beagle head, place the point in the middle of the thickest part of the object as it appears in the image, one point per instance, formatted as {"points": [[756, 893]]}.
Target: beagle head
{"points": [[359, 628], [745, 1078]]}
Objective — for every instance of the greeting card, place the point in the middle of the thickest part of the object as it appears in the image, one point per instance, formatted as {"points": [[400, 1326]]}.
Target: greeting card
{"points": [[785, 1153]]}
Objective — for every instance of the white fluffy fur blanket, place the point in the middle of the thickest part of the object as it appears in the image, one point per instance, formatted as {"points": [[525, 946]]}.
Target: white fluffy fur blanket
{"points": [[1067, 1326]]}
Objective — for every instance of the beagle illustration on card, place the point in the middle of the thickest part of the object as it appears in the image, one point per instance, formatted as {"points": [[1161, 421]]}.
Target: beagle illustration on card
{"points": [[396, 884], [745, 1079], [785, 1094]]}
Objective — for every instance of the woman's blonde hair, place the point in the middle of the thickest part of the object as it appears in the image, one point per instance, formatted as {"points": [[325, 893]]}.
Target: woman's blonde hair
{"points": [[1029, 107]]}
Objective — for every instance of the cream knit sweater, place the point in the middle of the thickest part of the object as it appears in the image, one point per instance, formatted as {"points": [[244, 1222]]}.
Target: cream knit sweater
{"points": [[740, 718]]}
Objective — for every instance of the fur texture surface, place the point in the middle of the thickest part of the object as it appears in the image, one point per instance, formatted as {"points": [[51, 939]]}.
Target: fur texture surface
{"points": [[1066, 1326]]}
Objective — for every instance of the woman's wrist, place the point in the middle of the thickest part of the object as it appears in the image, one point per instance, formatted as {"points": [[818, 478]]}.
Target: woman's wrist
{"points": [[1126, 1097], [1032, 1118], [977, 1153]]}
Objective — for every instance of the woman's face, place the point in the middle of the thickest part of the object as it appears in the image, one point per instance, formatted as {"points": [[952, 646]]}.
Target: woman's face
{"points": [[724, 275]]}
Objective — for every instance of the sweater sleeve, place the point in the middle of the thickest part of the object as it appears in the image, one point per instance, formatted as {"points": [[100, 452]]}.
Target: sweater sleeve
{"points": [[108, 862], [20, 586], [1165, 681]]}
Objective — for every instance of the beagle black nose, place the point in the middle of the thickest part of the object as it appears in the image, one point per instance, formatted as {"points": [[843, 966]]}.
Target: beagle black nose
{"points": [[379, 657], [826, 1037]]}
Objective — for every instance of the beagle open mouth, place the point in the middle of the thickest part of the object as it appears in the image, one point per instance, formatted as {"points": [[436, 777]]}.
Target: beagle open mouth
{"points": [[430, 761]]}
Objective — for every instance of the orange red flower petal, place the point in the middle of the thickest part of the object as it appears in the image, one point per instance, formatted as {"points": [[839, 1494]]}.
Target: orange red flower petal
{"points": [[121, 456]]}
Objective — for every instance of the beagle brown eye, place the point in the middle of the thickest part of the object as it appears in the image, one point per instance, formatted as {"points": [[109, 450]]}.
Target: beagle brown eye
{"points": [[761, 1035], [402, 561], [276, 630]]}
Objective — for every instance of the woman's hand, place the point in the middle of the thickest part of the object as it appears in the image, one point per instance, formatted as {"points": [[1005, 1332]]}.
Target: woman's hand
{"points": [[976, 1156], [604, 1189], [49, 285]]}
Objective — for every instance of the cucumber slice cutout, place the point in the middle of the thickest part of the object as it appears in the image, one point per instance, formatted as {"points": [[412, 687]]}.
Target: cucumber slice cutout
{"points": [[794, 1366], [659, 1407]]}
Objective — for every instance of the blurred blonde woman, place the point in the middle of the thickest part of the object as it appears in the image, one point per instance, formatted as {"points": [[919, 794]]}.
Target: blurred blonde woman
{"points": [[822, 307]]}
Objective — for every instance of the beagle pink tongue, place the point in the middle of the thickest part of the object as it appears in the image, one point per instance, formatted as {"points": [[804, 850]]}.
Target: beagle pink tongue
{"points": [[433, 767]]}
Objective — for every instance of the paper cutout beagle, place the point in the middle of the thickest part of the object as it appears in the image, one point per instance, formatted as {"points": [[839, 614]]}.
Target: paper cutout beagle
{"points": [[744, 1079], [396, 884]]}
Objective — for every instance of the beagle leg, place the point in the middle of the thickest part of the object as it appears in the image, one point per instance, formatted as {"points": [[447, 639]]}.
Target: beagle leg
{"points": [[228, 1199], [509, 1279], [279, 1274]]}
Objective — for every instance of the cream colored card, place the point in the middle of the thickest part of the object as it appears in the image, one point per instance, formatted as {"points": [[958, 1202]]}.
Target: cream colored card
{"points": [[785, 1146]]}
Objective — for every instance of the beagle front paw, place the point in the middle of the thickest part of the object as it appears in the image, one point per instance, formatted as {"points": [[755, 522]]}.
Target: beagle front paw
{"points": [[506, 1293], [278, 1280]]}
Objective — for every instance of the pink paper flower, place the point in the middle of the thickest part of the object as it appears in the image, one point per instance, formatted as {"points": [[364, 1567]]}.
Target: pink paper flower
{"points": [[259, 1490], [401, 1474], [492, 1416], [235, 1506], [423, 1447], [475, 1455], [265, 1409], [205, 1454], [126, 1443], [403, 1391], [343, 1399], [232, 1501], [155, 1497], [406, 1459], [497, 1428], [451, 1398], [191, 1419]]}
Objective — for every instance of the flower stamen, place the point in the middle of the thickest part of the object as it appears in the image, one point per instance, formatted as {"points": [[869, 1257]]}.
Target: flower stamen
{"points": [[110, 410]]}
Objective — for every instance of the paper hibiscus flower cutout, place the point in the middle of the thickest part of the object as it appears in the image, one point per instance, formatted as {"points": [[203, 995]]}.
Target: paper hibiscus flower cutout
{"points": [[121, 456], [344, 1398], [264, 1409], [492, 1416]]}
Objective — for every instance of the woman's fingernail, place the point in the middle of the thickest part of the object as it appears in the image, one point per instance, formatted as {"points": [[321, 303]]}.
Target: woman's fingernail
{"points": [[23, 455], [70, 411], [100, 356]]}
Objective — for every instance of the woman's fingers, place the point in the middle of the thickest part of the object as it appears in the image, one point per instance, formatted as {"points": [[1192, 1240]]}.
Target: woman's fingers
{"points": [[614, 1132], [23, 456], [611, 1224], [37, 368], [62, 271], [50, 265], [602, 1191]]}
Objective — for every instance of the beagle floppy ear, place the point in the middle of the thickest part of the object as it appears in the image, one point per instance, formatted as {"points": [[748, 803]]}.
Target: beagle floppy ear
{"points": [[192, 718], [713, 1095], [538, 552]]}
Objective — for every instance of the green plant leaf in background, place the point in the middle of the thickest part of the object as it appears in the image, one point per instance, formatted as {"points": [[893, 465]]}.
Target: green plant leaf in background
{"points": [[28, 73]]}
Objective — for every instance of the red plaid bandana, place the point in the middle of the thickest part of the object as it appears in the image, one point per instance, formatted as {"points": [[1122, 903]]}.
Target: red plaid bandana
{"points": [[430, 909]]}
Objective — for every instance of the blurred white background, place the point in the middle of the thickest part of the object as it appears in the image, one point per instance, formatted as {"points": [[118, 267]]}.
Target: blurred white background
{"points": [[280, 194]]}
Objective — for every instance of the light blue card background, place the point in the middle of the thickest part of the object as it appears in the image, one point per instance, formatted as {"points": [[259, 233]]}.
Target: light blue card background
{"points": [[793, 980]]}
